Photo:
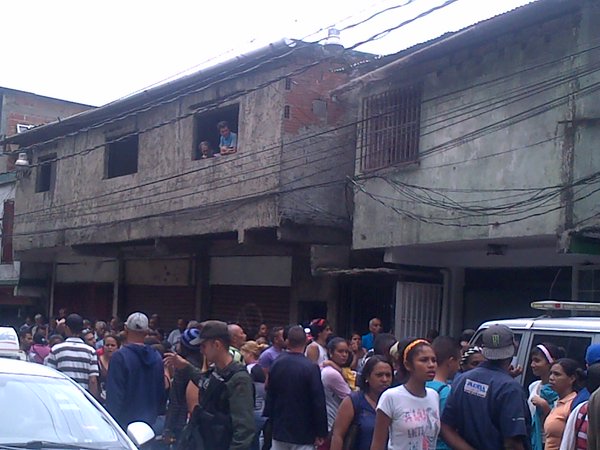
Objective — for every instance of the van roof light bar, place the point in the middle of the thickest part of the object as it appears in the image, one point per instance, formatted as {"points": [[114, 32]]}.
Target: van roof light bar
{"points": [[553, 305]]}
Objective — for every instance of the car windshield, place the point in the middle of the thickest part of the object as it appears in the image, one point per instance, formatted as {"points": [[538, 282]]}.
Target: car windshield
{"points": [[36, 408]]}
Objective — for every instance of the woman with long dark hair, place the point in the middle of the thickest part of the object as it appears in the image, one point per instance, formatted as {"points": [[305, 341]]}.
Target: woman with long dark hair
{"points": [[359, 407]]}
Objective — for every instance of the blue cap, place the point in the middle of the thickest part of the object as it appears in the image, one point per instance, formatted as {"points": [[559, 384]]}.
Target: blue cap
{"points": [[190, 338], [592, 356]]}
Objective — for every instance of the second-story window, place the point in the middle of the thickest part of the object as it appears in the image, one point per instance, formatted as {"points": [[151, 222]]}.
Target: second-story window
{"points": [[391, 128], [122, 156], [46, 172], [216, 132]]}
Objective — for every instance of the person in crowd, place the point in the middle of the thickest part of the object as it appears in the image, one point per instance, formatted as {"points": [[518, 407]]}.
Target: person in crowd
{"points": [[75, 358], [55, 339], [237, 337], [357, 350], [175, 335], [432, 335], [565, 375], [471, 358], [52, 326], [111, 345], [135, 387], [592, 356], [295, 402], [251, 352], [62, 313], [155, 325], [188, 348], [368, 340], [89, 337], [465, 338], [205, 150], [541, 395], [382, 346], [359, 407], [575, 436], [447, 353], [39, 324], [100, 328], [266, 359], [39, 349], [593, 416], [487, 408], [316, 351], [116, 325], [336, 388], [228, 140], [27, 325], [408, 415], [263, 332], [224, 416], [25, 341]]}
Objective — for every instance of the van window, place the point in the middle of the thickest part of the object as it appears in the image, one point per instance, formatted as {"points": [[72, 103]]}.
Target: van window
{"points": [[575, 347]]}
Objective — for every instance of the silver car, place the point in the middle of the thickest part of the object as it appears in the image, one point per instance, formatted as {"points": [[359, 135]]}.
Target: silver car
{"points": [[41, 408]]}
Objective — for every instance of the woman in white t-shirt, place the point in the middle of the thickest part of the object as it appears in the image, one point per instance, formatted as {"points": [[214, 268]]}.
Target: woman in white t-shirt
{"points": [[408, 416]]}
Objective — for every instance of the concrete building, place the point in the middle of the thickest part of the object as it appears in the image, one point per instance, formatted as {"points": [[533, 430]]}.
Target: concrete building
{"points": [[120, 212], [19, 112], [477, 163]]}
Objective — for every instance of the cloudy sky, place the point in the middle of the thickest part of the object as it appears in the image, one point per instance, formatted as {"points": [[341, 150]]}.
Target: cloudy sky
{"points": [[95, 52]]}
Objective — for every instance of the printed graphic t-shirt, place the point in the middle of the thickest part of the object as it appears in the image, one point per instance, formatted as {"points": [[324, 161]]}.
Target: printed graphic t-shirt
{"points": [[415, 420]]}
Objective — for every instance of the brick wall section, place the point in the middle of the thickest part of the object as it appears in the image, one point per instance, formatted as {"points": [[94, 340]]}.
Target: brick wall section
{"points": [[308, 87]]}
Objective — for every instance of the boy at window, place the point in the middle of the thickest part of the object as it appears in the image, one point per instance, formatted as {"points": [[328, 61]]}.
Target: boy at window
{"points": [[228, 141], [206, 151]]}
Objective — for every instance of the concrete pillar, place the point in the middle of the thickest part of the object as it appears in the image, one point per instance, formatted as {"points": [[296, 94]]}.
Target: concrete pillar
{"points": [[202, 280], [455, 300], [51, 296], [119, 268]]}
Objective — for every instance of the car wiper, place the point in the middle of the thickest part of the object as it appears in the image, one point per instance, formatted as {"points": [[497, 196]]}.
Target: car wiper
{"points": [[38, 445]]}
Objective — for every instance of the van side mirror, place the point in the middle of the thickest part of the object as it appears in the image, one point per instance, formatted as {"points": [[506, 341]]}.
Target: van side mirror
{"points": [[140, 433]]}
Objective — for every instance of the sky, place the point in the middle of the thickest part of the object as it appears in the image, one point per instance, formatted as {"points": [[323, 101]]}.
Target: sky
{"points": [[95, 52]]}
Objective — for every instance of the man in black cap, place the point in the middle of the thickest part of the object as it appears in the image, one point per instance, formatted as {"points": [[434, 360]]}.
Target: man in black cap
{"points": [[75, 358], [487, 409], [225, 415]]}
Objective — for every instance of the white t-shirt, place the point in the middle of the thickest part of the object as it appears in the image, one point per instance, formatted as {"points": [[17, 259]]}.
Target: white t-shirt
{"points": [[415, 420]]}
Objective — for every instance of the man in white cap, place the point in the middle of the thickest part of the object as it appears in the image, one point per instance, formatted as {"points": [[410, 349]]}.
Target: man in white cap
{"points": [[487, 409], [135, 387]]}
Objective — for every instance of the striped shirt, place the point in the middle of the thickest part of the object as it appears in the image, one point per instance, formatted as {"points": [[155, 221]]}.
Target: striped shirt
{"points": [[75, 359]]}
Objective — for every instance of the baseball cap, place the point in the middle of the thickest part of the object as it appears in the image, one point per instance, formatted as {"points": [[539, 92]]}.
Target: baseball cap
{"points": [[74, 322], [498, 343], [213, 329], [137, 322], [190, 338], [592, 355]]}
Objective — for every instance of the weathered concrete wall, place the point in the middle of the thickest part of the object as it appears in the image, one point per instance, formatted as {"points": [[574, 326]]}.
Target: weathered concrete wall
{"points": [[171, 194], [490, 122]]}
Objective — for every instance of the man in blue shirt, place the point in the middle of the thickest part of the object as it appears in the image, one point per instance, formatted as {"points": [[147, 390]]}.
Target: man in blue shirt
{"points": [[592, 356], [374, 329], [487, 409], [228, 141]]}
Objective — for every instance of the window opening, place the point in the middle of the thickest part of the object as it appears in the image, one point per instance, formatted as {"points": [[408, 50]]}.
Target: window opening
{"points": [[122, 156], [391, 128], [208, 136]]}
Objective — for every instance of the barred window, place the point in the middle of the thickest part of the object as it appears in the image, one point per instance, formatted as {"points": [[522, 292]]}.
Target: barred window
{"points": [[390, 128]]}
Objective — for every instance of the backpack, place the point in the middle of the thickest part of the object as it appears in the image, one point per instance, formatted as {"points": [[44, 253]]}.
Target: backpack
{"points": [[210, 425]]}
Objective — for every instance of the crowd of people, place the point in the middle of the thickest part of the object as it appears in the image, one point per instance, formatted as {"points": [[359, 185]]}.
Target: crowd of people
{"points": [[207, 386]]}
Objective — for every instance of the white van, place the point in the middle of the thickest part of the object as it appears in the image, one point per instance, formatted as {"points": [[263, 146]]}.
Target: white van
{"points": [[9, 344], [574, 334]]}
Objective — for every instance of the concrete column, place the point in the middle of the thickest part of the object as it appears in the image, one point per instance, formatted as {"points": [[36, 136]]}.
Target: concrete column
{"points": [[202, 280], [456, 282], [51, 297], [119, 267]]}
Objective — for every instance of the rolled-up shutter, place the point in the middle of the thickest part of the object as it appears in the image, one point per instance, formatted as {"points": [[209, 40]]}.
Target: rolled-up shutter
{"points": [[169, 302]]}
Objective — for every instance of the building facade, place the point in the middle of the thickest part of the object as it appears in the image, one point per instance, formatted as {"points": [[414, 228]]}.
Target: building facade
{"points": [[120, 212], [477, 162], [20, 111]]}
